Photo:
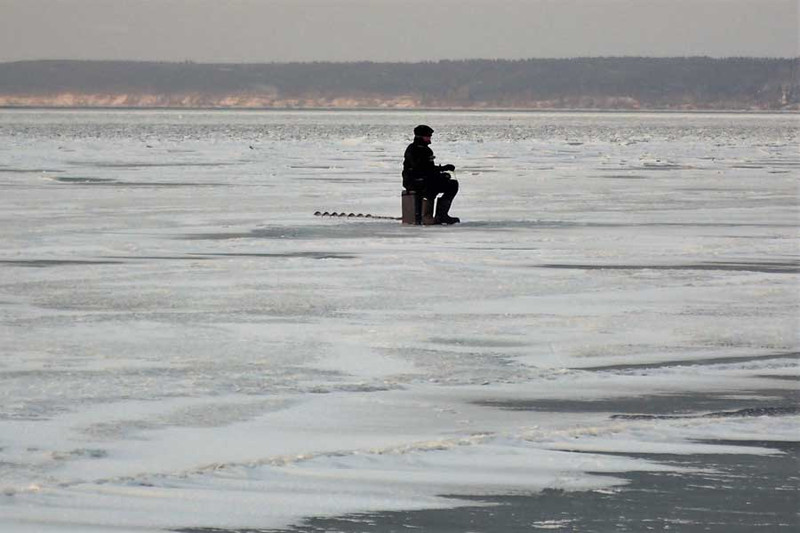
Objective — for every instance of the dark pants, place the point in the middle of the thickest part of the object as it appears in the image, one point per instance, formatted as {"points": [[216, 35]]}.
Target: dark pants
{"points": [[440, 183]]}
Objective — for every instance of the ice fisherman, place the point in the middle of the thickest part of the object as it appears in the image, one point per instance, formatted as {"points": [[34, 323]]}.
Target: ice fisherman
{"points": [[422, 175]]}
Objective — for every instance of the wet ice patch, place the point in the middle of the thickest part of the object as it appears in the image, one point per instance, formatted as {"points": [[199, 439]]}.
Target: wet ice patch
{"points": [[83, 180], [45, 263], [81, 453], [408, 480]]}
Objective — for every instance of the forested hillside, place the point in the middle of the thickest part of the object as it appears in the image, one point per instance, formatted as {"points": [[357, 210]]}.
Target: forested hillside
{"points": [[588, 83]]}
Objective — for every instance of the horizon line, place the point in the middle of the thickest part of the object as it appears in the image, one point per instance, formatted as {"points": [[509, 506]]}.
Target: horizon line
{"points": [[420, 62]]}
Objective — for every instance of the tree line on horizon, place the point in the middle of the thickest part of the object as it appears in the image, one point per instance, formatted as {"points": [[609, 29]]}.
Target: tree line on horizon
{"points": [[702, 82]]}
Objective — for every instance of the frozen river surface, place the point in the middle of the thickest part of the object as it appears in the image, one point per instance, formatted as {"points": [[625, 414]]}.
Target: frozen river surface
{"points": [[186, 347]]}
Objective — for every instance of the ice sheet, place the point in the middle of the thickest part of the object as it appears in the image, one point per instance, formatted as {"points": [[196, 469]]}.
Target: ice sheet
{"points": [[185, 345]]}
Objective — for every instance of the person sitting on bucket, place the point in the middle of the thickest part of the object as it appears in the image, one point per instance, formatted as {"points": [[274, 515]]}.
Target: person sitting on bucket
{"points": [[422, 175]]}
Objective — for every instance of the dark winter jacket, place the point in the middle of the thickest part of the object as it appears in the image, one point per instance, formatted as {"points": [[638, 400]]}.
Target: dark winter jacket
{"points": [[418, 164]]}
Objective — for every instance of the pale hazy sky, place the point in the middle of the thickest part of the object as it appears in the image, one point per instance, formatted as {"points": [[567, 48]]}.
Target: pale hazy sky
{"points": [[392, 30]]}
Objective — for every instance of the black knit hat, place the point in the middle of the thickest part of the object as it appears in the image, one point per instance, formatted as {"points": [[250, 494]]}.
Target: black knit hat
{"points": [[423, 131]]}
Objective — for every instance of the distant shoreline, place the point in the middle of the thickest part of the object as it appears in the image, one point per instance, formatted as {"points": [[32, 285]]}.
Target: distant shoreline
{"points": [[541, 111], [571, 85]]}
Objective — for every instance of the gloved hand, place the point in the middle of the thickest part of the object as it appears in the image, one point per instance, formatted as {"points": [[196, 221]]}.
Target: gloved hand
{"points": [[448, 168]]}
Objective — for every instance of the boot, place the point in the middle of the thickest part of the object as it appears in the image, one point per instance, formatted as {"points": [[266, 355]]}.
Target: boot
{"points": [[427, 213], [441, 212]]}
